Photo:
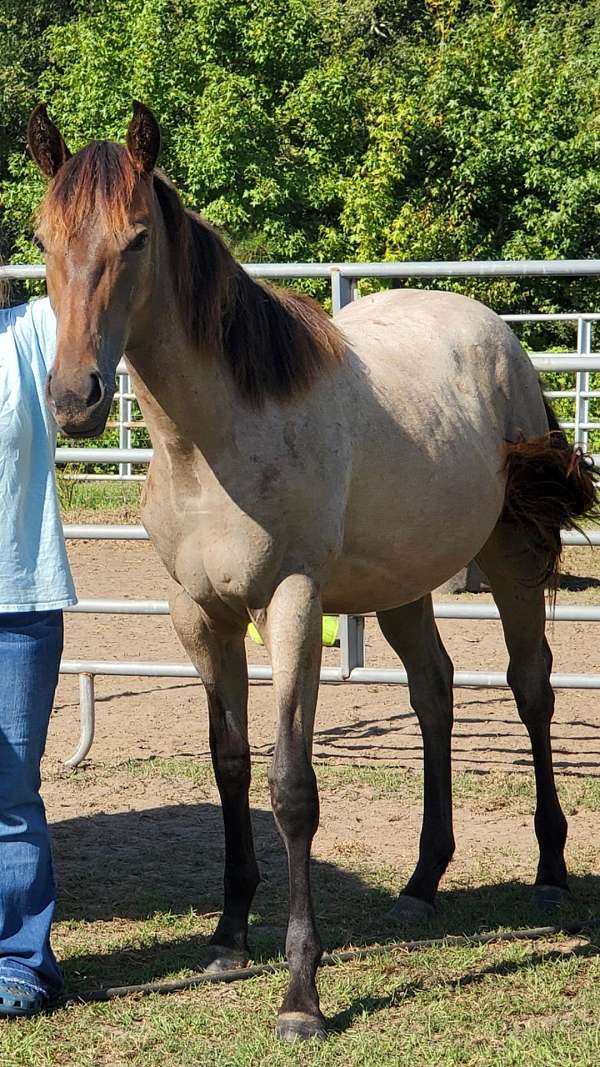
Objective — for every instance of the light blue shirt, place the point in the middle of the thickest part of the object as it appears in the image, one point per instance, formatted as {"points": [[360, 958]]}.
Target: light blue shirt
{"points": [[34, 570]]}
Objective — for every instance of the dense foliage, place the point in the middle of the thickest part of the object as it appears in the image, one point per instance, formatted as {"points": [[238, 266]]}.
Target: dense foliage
{"points": [[334, 129]]}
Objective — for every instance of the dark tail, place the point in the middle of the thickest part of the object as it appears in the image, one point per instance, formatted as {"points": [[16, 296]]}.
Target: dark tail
{"points": [[550, 485]]}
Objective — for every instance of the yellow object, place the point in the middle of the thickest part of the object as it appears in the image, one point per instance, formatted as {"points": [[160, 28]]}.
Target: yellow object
{"points": [[331, 626], [331, 629], [254, 635]]}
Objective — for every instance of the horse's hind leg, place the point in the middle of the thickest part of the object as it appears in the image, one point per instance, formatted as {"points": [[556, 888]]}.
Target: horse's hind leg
{"points": [[412, 633], [220, 659], [512, 569]]}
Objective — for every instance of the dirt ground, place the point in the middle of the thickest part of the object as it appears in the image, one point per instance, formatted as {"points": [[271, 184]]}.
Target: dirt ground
{"points": [[367, 724], [135, 837]]}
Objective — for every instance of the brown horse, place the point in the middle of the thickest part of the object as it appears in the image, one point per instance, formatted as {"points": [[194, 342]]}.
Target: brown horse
{"points": [[300, 466]]}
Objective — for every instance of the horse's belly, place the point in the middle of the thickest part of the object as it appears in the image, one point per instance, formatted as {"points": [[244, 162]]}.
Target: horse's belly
{"points": [[400, 545], [355, 586]]}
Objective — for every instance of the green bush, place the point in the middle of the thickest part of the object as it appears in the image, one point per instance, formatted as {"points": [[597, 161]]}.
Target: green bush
{"points": [[337, 129], [322, 129]]}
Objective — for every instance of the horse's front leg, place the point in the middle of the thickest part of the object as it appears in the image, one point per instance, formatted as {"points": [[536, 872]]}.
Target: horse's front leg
{"points": [[220, 658], [293, 634]]}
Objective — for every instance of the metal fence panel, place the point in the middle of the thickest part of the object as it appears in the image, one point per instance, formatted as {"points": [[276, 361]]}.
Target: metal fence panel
{"points": [[344, 278]]}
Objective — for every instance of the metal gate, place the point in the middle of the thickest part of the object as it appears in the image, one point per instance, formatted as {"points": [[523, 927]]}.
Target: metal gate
{"points": [[344, 279]]}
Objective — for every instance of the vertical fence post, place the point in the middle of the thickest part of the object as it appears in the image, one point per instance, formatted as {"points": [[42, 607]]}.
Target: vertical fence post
{"points": [[128, 415], [342, 290], [124, 419], [87, 715], [352, 642], [582, 383]]}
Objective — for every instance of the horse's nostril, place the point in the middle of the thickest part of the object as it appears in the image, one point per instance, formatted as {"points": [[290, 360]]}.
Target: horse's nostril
{"points": [[96, 390]]}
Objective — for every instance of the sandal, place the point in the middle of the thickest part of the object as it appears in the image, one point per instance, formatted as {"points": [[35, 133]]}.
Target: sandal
{"points": [[20, 1000]]}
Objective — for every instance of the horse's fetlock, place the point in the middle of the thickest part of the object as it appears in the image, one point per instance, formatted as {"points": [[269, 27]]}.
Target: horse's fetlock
{"points": [[439, 850]]}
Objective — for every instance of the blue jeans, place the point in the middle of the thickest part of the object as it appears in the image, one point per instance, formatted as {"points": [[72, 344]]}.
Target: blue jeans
{"points": [[30, 650]]}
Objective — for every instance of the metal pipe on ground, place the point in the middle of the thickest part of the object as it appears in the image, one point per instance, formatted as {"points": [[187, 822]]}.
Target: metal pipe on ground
{"points": [[333, 959]]}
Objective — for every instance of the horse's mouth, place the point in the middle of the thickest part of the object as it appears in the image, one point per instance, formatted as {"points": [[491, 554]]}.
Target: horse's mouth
{"points": [[92, 429], [73, 421]]}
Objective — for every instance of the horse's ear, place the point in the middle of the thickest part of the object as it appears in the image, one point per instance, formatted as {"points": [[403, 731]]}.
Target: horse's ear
{"points": [[46, 143], [143, 138]]}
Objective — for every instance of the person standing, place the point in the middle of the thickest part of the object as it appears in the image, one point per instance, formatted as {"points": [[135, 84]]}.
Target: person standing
{"points": [[35, 586]]}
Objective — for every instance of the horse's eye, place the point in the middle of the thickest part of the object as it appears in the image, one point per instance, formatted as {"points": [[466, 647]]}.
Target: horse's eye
{"points": [[138, 242]]}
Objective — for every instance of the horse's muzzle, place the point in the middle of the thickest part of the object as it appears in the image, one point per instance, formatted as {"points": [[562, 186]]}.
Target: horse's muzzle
{"points": [[80, 408]]}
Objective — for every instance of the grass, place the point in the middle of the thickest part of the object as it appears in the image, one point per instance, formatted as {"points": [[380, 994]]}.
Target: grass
{"points": [[534, 1002], [82, 501], [501, 1005], [513, 792]]}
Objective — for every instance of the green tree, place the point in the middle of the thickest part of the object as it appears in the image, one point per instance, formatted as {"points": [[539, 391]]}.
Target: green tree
{"points": [[488, 147], [342, 129], [23, 26]]}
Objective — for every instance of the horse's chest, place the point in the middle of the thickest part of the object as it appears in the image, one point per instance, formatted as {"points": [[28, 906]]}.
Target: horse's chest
{"points": [[236, 566], [217, 553]]}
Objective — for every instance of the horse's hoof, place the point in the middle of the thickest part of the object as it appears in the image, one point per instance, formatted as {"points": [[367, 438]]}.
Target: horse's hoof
{"points": [[409, 909], [295, 1026], [549, 897], [219, 958]]}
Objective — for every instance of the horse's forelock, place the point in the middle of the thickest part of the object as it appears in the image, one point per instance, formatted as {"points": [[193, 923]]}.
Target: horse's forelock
{"points": [[99, 181]]}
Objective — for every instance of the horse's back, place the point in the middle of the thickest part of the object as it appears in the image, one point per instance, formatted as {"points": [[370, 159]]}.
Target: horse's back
{"points": [[449, 348]]}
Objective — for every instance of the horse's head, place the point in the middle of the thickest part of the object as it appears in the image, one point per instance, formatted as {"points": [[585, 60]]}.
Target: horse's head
{"points": [[97, 229]]}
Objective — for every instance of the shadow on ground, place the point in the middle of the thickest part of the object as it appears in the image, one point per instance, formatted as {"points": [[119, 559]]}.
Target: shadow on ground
{"points": [[578, 583], [132, 865]]}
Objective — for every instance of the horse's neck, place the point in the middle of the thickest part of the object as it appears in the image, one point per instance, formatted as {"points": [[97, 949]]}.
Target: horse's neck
{"points": [[183, 394]]}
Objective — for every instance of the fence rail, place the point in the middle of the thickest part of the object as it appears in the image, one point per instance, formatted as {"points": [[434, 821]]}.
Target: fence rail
{"points": [[344, 279]]}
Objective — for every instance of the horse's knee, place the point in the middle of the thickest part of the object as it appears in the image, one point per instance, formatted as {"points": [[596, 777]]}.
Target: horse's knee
{"points": [[295, 798], [232, 772], [231, 762]]}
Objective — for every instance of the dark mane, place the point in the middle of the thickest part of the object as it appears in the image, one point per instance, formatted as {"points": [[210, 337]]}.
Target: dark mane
{"points": [[275, 342]]}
